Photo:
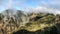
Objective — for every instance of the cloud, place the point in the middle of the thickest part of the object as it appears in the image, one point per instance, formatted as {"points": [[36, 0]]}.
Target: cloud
{"points": [[3, 4], [30, 3], [43, 6], [50, 3], [43, 10], [34, 3]]}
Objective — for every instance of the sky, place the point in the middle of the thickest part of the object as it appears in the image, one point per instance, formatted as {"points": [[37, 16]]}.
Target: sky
{"points": [[25, 4]]}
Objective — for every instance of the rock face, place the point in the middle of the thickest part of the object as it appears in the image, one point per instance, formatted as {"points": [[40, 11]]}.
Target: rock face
{"points": [[10, 21], [8, 25]]}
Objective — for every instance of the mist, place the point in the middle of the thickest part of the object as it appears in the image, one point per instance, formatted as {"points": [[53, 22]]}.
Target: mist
{"points": [[42, 10], [10, 4]]}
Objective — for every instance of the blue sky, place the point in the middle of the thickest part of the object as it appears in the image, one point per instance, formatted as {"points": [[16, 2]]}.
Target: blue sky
{"points": [[23, 4]]}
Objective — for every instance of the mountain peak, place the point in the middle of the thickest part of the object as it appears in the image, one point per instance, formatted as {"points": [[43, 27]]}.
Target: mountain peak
{"points": [[9, 12]]}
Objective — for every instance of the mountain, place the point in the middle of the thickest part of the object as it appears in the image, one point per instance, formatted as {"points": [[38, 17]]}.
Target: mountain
{"points": [[12, 21], [41, 23]]}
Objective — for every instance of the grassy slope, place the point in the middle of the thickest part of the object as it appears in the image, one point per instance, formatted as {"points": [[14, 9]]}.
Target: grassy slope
{"points": [[46, 20]]}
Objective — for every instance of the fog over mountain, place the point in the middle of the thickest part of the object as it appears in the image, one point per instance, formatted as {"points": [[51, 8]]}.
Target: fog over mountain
{"points": [[29, 16], [43, 10], [39, 9], [13, 20]]}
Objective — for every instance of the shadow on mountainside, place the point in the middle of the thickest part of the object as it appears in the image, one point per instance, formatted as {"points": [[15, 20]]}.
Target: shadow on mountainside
{"points": [[53, 30]]}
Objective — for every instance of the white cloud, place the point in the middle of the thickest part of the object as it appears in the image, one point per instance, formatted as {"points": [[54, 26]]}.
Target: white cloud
{"points": [[43, 10], [50, 3], [24, 3]]}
